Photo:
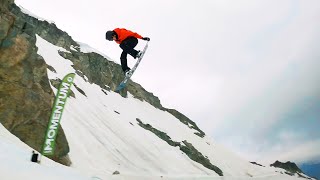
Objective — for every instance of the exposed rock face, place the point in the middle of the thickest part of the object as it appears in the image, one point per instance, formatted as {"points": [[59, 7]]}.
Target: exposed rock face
{"points": [[255, 163], [47, 31], [5, 4], [96, 68], [26, 97], [291, 169], [289, 166], [185, 120], [25, 94], [184, 146]]}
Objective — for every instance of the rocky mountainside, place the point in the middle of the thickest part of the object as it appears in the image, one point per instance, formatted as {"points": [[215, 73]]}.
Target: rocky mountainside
{"points": [[290, 167], [26, 96], [25, 92]]}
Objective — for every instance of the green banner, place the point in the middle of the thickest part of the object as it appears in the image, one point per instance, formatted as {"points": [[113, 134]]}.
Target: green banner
{"points": [[58, 107]]}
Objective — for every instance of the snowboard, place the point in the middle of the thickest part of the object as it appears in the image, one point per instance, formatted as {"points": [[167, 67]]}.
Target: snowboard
{"points": [[123, 83]]}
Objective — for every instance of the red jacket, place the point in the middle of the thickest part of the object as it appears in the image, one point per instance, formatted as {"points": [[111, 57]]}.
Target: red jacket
{"points": [[124, 34]]}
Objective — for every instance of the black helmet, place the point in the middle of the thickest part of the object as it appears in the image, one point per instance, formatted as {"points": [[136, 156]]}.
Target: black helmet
{"points": [[109, 35]]}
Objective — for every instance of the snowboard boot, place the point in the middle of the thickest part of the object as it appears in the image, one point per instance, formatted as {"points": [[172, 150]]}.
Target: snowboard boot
{"points": [[138, 54], [127, 72]]}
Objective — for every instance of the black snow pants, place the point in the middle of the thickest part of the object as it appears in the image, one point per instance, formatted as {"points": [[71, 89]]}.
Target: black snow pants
{"points": [[127, 46]]}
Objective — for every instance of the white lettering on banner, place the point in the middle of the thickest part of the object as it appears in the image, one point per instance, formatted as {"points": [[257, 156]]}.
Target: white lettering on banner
{"points": [[56, 116], [58, 109], [64, 89], [48, 148]]}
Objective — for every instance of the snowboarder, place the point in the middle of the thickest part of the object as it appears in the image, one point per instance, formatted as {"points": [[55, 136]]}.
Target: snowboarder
{"points": [[128, 41]]}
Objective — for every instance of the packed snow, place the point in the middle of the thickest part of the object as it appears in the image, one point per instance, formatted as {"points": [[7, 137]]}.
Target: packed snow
{"points": [[25, 11], [85, 48], [16, 162]]}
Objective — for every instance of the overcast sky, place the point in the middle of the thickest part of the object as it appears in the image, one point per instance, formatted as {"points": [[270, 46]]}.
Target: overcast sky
{"points": [[247, 72]]}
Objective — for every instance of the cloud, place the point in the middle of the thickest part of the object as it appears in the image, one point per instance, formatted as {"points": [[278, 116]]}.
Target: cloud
{"points": [[287, 147], [298, 152], [290, 136]]}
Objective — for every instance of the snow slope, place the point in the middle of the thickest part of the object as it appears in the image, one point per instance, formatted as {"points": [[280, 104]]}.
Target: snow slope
{"points": [[104, 136], [15, 162]]}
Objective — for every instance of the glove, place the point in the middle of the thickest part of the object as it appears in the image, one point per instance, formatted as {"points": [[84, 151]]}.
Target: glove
{"points": [[146, 39]]}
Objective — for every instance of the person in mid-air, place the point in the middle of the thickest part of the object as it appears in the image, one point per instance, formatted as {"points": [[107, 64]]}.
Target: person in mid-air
{"points": [[128, 41]]}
